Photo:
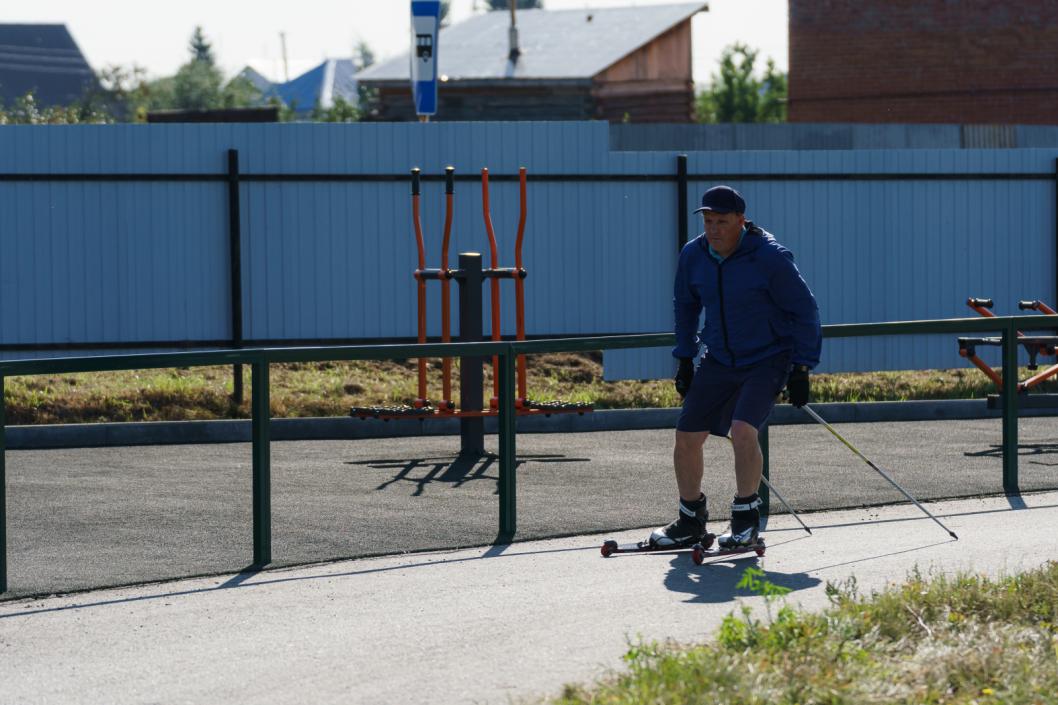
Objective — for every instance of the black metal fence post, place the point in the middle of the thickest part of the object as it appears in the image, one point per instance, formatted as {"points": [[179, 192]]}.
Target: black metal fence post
{"points": [[471, 387], [682, 233], [1010, 408], [508, 455], [262, 466], [235, 249]]}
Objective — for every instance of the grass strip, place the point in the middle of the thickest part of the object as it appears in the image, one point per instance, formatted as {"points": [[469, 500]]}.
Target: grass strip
{"points": [[330, 388], [952, 640]]}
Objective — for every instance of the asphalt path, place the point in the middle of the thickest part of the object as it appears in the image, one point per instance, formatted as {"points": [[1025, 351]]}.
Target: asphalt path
{"points": [[484, 625], [86, 518]]}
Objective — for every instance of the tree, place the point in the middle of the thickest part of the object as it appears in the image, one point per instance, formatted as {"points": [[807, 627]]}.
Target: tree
{"points": [[363, 55], [341, 111], [199, 84], [446, 7], [201, 50], [25, 111], [738, 95]]}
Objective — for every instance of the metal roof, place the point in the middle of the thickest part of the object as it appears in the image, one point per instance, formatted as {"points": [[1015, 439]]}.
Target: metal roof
{"points": [[555, 44], [334, 78], [42, 58]]}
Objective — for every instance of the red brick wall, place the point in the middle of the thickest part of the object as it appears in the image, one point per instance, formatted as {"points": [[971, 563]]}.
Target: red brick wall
{"points": [[953, 61]]}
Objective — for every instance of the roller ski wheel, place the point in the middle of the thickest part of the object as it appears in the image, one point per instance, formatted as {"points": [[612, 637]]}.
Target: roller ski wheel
{"points": [[700, 552], [608, 548]]}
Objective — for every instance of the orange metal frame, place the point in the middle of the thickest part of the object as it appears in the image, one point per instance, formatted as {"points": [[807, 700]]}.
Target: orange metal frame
{"points": [[422, 406], [983, 307], [518, 274]]}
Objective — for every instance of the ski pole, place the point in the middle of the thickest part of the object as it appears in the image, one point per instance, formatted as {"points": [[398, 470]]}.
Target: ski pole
{"points": [[877, 469], [788, 507]]}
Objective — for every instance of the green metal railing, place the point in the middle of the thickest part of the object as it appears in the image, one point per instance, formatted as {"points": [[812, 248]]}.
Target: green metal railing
{"points": [[259, 361]]}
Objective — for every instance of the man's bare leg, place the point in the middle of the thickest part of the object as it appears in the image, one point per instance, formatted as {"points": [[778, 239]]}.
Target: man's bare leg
{"points": [[749, 461], [689, 526], [687, 459], [749, 466]]}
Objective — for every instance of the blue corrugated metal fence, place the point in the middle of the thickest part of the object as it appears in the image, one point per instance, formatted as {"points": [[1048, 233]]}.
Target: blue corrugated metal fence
{"points": [[880, 235]]}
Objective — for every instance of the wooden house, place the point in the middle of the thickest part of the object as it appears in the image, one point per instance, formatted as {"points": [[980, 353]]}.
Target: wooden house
{"points": [[43, 59], [627, 64]]}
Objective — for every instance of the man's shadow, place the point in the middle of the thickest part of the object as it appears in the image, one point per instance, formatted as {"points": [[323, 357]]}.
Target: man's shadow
{"points": [[1024, 449], [452, 470], [717, 579]]}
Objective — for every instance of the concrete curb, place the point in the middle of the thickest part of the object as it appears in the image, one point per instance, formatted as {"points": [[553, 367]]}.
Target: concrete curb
{"points": [[342, 428]]}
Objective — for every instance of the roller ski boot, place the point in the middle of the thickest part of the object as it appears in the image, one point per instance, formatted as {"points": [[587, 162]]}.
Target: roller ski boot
{"points": [[743, 536], [686, 532]]}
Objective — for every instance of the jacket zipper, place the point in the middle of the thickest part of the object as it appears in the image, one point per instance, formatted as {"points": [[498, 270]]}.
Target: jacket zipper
{"points": [[723, 316]]}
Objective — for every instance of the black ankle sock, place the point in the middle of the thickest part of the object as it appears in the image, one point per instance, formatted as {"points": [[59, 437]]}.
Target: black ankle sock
{"points": [[695, 504]]}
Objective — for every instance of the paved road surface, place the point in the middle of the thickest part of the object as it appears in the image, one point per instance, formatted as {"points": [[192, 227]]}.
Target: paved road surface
{"points": [[94, 517], [484, 625]]}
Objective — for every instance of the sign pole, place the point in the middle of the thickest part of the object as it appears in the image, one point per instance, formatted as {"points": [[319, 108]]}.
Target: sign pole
{"points": [[425, 26]]}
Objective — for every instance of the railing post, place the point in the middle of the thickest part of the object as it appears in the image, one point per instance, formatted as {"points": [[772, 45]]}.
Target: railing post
{"points": [[1010, 408], [508, 454], [3, 492], [262, 469], [763, 493], [471, 391], [235, 257]]}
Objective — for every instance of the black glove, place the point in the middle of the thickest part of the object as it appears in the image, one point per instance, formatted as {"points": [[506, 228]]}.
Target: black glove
{"points": [[797, 385], [684, 376]]}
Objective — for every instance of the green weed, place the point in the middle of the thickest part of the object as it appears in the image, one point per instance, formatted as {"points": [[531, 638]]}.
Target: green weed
{"points": [[962, 639]]}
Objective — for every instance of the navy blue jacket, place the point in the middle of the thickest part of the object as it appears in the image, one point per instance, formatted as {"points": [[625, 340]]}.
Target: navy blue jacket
{"points": [[756, 303]]}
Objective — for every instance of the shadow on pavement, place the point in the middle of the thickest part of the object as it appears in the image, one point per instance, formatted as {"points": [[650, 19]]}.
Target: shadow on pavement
{"points": [[455, 470], [241, 581], [717, 581], [1024, 449]]}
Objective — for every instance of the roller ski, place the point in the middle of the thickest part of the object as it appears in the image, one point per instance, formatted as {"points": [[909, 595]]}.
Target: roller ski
{"points": [[688, 533], [743, 537], [683, 534]]}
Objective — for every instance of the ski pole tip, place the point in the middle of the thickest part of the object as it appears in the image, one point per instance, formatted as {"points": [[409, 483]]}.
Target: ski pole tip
{"points": [[952, 534]]}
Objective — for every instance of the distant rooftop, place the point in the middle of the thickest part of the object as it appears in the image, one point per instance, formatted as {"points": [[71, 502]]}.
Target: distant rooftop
{"points": [[320, 85], [44, 59], [555, 44]]}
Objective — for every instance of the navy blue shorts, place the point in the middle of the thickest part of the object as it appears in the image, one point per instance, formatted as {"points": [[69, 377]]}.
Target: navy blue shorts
{"points": [[720, 394]]}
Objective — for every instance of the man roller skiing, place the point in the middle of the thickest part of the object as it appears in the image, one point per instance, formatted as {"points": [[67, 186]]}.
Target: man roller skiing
{"points": [[761, 333]]}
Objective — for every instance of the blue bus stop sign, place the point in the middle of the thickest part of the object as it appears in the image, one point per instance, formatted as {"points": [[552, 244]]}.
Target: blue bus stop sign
{"points": [[425, 21]]}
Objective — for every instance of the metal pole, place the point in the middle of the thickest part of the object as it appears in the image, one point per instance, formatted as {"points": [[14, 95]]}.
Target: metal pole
{"points": [[767, 485], [262, 469], [1010, 408], [508, 454], [235, 250], [3, 492], [682, 233], [877, 469], [471, 369]]}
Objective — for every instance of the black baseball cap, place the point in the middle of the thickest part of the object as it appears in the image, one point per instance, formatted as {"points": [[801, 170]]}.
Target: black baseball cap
{"points": [[722, 199]]}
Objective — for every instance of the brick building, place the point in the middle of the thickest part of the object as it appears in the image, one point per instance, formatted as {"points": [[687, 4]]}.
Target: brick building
{"points": [[915, 61]]}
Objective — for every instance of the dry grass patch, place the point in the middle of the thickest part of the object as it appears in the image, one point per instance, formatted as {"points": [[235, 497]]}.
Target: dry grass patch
{"points": [[330, 388]]}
